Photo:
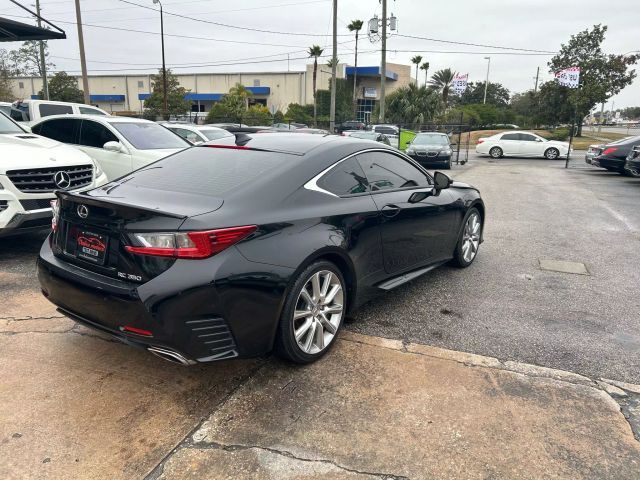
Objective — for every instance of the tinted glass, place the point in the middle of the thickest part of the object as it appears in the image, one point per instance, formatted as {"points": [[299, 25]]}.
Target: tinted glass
{"points": [[511, 136], [18, 115], [215, 134], [90, 111], [430, 139], [6, 109], [208, 171], [93, 134], [346, 178], [63, 130], [149, 136], [7, 126], [47, 109], [527, 138], [181, 131], [385, 171], [386, 130]]}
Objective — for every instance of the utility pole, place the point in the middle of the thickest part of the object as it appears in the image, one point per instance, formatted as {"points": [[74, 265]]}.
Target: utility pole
{"points": [[165, 109], [486, 83], [43, 63], [601, 119], [83, 60], [334, 66], [535, 89], [383, 63]]}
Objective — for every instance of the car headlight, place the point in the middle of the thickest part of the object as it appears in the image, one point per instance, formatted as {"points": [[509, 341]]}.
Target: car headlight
{"points": [[447, 151]]}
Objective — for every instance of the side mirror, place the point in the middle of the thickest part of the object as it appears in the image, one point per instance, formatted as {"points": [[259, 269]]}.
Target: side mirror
{"points": [[442, 180], [116, 147], [417, 197]]}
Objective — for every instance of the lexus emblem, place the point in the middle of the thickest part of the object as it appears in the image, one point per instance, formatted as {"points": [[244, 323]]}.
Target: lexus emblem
{"points": [[62, 180], [83, 211]]}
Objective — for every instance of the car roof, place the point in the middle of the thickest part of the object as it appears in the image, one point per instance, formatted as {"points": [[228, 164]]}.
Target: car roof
{"points": [[432, 133], [295, 142], [100, 118]]}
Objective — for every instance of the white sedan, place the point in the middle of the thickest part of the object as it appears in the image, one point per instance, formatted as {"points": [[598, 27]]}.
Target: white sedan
{"points": [[119, 144], [521, 144], [197, 134]]}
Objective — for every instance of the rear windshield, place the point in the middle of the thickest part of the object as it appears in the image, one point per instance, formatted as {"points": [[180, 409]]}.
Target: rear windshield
{"points": [[149, 136], [208, 171]]}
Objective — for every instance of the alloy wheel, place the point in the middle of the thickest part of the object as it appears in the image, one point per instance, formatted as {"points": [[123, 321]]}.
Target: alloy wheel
{"points": [[318, 312], [552, 154], [471, 237], [495, 152]]}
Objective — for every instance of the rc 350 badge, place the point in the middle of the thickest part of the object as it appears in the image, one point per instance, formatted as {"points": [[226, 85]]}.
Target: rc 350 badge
{"points": [[129, 276]]}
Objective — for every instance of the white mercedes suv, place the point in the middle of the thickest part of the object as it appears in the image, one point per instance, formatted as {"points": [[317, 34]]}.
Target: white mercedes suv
{"points": [[31, 169]]}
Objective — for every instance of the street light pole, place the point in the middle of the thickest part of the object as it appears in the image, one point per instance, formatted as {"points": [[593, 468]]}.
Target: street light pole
{"points": [[165, 110], [334, 66], [383, 63], [43, 63], [486, 83], [83, 60]]}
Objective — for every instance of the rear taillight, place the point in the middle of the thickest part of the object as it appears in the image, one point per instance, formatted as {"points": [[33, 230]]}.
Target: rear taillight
{"points": [[56, 214], [188, 244], [480, 140], [609, 151]]}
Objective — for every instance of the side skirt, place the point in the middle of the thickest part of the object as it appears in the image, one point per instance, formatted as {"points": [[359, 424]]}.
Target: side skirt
{"points": [[407, 277]]}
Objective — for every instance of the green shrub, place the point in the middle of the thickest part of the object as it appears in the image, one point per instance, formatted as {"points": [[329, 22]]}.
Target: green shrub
{"points": [[560, 134]]}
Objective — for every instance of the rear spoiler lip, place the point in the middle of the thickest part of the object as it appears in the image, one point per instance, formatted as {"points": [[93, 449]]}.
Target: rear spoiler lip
{"points": [[83, 198]]}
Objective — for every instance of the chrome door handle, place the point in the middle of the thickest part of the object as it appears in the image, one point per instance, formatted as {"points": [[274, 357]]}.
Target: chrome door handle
{"points": [[390, 210]]}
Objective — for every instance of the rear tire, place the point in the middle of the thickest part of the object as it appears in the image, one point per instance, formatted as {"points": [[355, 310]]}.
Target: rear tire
{"points": [[469, 239], [496, 152], [552, 154], [313, 314]]}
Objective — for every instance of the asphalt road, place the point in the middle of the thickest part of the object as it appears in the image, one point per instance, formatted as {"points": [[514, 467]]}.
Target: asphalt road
{"points": [[504, 305]]}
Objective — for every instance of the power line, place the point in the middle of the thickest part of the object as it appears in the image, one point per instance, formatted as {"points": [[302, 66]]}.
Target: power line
{"points": [[471, 44], [471, 53]]}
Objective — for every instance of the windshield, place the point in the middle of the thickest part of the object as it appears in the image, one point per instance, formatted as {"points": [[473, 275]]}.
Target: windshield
{"points": [[7, 126], [215, 134], [149, 136], [430, 139]]}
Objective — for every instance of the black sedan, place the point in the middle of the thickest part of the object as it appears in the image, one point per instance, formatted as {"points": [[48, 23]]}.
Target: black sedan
{"points": [[613, 156], [431, 149], [632, 165], [223, 251]]}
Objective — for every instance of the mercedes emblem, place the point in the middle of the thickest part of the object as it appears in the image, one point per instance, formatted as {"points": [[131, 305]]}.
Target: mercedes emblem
{"points": [[62, 180], [83, 211]]}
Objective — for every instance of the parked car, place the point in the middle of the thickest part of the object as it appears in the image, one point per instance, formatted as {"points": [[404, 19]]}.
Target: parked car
{"points": [[31, 169], [195, 134], [592, 151], [376, 137], [5, 107], [228, 126], [614, 155], [219, 252], [392, 132], [350, 125], [284, 126], [521, 144], [31, 111], [431, 149], [119, 144], [318, 131], [632, 164]]}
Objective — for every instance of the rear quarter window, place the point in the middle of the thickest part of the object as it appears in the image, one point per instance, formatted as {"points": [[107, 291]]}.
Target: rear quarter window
{"points": [[346, 178], [46, 109]]}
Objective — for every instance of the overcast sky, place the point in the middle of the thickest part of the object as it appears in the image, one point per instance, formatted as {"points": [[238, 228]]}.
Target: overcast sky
{"points": [[527, 24]]}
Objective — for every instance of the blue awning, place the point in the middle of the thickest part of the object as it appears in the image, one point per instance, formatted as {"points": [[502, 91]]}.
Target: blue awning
{"points": [[211, 97], [113, 98], [260, 90], [370, 72]]}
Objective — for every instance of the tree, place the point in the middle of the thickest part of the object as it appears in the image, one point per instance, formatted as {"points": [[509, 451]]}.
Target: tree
{"points": [[331, 61], [425, 67], [554, 104], [278, 117], [355, 26], [412, 105], [631, 113], [6, 94], [416, 61], [258, 115], [176, 103], [601, 75], [232, 107], [496, 94], [238, 95], [315, 51], [63, 88], [441, 82], [26, 60], [299, 113], [344, 106]]}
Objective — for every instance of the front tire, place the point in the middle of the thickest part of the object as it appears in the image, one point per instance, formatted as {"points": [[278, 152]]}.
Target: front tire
{"points": [[469, 239], [496, 152], [313, 313], [551, 153]]}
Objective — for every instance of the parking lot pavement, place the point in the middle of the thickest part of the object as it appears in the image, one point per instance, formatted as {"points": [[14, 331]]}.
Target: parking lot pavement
{"points": [[505, 305]]}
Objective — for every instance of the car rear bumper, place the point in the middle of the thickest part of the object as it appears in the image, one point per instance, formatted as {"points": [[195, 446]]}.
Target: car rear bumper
{"points": [[189, 315], [605, 162]]}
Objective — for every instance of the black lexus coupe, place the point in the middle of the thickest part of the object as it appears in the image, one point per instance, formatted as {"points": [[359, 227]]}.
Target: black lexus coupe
{"points": [[222, 251]]}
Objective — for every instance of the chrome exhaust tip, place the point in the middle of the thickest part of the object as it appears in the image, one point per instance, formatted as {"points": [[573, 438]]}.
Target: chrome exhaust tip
{"points": [[170, 356]]}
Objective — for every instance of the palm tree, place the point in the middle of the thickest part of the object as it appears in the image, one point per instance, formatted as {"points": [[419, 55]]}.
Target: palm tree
{"points": [[425, 67], [331, 61], [315, 51], [413, 105], [240, 91], [355, 26], [441, 81], [416, 61]]}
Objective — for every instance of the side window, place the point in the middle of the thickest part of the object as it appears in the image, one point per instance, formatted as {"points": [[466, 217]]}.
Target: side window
{"points": [[527, 138], [17, 115], [511, 136], [90, 111], [63, 130], [385, 171], [181, 131], [47, 109], [345, 178], [94, 134]]}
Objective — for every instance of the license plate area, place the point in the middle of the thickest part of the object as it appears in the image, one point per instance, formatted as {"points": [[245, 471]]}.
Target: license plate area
{"points": [[90, 246]]}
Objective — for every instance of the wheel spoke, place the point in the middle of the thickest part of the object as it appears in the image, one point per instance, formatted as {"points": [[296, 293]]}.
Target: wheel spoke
{"points": [[325, 285], [319, 335], [303, 329], [327, 324], [298, 314], [306, 297], [332, 294], [315, 285], [333, 309], [309, 341]]}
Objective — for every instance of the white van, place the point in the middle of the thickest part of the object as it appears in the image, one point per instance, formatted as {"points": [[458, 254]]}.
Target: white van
{"points": [[30, 111]]}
